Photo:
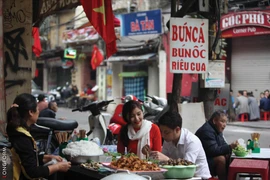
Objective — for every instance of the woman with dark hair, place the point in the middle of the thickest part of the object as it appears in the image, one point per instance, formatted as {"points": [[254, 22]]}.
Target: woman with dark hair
{"points": [[138, 132], [26, 162]]}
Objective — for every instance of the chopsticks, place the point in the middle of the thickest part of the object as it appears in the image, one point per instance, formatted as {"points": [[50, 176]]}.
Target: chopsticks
{"points": [[147, 152], [62, 137]]}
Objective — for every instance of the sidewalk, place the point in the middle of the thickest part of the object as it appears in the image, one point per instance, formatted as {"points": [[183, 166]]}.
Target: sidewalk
{"points": [[261, 124]]}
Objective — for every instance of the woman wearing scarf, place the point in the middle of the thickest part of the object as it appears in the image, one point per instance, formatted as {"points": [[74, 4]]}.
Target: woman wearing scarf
{"points": [[138, 132], [27, 163]]}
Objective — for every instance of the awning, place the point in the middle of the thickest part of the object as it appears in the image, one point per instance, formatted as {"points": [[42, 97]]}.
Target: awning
{"points": [[149, 56], [133, 74]]}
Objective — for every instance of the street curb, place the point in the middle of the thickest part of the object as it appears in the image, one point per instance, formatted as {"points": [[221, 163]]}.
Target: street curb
{"points": [[248, 126]]}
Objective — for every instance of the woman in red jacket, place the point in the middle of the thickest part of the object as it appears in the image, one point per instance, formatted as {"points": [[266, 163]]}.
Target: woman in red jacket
{"points": [[138, 132]]}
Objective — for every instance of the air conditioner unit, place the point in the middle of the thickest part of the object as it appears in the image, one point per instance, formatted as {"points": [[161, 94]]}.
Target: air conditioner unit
{"points": [[204, 5]]}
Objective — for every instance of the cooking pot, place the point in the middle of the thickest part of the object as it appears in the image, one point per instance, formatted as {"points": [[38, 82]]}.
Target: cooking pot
{"points": [[126, 175]]}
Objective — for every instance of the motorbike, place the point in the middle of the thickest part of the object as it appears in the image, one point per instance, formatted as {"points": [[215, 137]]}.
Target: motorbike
{"points": [[44, 132], [97, 121], [153, 109]]}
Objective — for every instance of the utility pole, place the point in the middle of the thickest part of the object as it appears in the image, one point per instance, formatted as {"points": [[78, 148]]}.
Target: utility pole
{"points": [[175, 98]]}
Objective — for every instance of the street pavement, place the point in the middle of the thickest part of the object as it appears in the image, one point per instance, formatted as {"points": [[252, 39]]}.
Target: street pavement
{"points": [[261, 124]]}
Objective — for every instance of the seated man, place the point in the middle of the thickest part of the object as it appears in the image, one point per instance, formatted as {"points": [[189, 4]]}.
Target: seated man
{"points": [[217, 150], [181, 143], [50, 111], [42, 104]]}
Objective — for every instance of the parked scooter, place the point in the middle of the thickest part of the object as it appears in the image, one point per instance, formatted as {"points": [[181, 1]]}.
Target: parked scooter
{"points": [[153, 106], [97, 124], [45, 129]]}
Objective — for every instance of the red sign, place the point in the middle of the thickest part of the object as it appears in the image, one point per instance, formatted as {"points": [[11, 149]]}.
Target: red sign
{"points": [[245, 23]]}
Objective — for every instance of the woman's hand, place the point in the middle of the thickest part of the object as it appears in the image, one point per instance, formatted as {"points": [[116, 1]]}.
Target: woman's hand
{"points": [[159, 156], [48, 158], [146, 150], [63, 166]]}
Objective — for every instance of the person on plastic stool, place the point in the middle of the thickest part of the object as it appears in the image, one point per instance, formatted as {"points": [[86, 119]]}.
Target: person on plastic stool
{"points": [[218, 152]]}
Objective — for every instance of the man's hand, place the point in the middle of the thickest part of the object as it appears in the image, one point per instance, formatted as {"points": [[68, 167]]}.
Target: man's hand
{"points": [[159, 156], [234, 144]]}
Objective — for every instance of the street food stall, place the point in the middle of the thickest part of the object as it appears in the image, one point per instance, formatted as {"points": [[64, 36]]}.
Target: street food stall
{"points": [[90, 161]]}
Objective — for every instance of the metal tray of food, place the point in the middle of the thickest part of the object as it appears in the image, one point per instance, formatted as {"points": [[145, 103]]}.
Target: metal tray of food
{"points": [[82, 159]]}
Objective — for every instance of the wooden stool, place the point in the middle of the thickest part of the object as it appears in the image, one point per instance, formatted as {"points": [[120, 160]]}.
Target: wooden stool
{"points": [[243, 117], [265, 115], [248, 166]]}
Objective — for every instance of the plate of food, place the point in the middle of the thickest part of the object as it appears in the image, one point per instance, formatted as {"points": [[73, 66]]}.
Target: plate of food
{"points": [[133, 164]]}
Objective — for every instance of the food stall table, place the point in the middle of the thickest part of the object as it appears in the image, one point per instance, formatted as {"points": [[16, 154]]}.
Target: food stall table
{"points": [[264, 155], [77, 172]]}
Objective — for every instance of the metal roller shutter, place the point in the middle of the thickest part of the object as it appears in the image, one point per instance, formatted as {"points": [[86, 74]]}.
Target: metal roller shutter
{"points": [[251, 64]]}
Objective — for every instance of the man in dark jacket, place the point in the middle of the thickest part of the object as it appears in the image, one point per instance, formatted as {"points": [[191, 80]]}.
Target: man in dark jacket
{"points": [[50, 111], [215, 146]]}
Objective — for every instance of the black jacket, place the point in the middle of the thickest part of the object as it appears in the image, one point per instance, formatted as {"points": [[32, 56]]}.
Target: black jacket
{"points": [[24, 147], [47, 113], [213, 142]]}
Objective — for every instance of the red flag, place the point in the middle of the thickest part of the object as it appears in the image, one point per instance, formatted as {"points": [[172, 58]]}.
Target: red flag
{"points": [[100, 14], [97, 58], [36, 48]]}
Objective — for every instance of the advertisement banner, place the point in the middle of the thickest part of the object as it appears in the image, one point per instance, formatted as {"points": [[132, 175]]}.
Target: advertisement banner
{"points": [[140, 23], [188, 45], [215, 77], [245, 23], [80, 35]]}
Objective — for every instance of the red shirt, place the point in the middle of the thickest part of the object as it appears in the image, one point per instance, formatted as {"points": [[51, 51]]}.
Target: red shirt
{"points": [[155, 142]]}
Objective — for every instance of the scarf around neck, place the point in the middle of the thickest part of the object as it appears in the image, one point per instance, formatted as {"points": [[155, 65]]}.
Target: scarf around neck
{"points": [[142, 135]]}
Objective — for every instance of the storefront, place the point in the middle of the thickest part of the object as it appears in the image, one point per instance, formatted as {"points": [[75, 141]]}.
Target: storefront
{"points": [[136, 75], [81, 41], [250, 53]]}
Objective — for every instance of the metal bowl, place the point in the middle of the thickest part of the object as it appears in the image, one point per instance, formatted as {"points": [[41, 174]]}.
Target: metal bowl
{"points": [[83, 159]]}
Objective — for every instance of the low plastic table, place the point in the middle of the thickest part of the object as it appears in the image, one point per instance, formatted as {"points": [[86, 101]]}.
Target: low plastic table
{"points": [[249, 166]]}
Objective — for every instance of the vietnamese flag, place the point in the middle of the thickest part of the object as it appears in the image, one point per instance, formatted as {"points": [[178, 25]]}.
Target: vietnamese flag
{"points": [[96, 58], [36, 47], [100, 15]]}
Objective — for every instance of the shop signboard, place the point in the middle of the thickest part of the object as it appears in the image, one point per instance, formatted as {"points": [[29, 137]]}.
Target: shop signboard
{"points": [[222, 100], [140, 23], [245, 23], [70, 53], [215, 76], [44, 8], [188, 45]]}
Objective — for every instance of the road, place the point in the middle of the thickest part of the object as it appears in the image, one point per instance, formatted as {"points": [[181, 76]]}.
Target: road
{"points": [[231, 133]]}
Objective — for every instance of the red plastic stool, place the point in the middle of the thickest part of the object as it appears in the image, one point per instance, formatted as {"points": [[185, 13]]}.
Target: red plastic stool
{"points": [[265, 115], [243, 117], [248, 166]]}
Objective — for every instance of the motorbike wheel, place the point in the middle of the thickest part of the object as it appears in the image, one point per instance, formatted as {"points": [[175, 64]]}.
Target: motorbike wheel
{"points": [[42, 142]]}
